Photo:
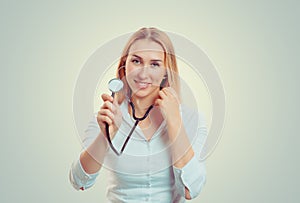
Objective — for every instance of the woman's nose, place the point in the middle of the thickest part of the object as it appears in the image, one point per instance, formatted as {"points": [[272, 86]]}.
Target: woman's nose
{"points": [[143, 72]]}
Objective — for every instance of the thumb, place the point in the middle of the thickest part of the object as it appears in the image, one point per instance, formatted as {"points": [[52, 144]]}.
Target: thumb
{"points": [[115, 101], [115, 104]]}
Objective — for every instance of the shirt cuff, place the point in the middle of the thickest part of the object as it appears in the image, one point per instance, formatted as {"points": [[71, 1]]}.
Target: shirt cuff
{"points": [[191, 176], [79, 178]]}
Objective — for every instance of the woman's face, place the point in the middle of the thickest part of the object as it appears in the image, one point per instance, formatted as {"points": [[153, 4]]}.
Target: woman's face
{"points": [[145, 68]]}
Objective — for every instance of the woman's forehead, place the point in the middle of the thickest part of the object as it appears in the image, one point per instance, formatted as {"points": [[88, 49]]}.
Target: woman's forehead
{"points": [[146, 47]]}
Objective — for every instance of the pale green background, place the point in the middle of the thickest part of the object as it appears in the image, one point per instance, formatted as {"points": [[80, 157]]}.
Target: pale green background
{"points": [[254, 44]]}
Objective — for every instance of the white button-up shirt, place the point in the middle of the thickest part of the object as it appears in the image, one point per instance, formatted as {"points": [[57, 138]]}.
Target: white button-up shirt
{"points": [[145, 172]]}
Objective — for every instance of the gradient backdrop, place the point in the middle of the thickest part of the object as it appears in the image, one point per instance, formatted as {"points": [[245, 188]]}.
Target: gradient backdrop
{"points": [[254, 45]]}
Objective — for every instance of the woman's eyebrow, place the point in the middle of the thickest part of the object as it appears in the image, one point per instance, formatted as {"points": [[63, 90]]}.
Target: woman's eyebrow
{"points": [[159, 60], [134, 55], [137, 56]]}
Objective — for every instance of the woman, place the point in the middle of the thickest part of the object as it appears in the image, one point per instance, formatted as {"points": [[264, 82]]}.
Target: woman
{"points": [[160, 162]]}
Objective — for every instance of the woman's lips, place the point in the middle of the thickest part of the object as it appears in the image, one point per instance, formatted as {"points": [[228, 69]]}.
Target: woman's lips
{"points": [[142, 85]]}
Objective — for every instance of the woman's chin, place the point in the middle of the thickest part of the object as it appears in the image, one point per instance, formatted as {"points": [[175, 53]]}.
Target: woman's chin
{"points": [[143, 93]]}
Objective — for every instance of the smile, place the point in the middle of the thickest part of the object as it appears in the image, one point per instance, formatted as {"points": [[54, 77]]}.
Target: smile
{"points": [[142, 85]]}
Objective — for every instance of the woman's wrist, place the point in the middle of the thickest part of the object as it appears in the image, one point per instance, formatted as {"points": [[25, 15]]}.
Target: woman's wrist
{"points": [[174, 126]]}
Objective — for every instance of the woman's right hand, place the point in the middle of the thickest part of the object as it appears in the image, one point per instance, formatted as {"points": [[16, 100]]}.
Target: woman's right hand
{"points": [[111, 114]]}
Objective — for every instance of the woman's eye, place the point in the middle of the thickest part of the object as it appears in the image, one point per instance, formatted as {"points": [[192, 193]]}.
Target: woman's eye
{"points": [[135, 61], [155, 64]]}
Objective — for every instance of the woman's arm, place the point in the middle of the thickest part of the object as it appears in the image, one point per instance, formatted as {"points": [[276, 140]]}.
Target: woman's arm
{"points": [[85, 170], [189, 172], [109, 113], [92, 157], [181, 149]]}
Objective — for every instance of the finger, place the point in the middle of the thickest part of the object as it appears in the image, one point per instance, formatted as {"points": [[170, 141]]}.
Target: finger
{"points": [[107, 97], [167, 90], [106, 112], [115, 105], [104, 119], [170, 92], [115, 101], [162, 94], [107, 105]]}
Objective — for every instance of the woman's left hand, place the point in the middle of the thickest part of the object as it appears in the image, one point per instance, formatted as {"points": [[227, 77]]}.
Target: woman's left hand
{"points": [[168, 103]]}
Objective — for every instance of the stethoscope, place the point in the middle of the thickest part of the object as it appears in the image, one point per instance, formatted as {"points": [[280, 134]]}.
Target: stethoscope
{"points": [[116, 85]]}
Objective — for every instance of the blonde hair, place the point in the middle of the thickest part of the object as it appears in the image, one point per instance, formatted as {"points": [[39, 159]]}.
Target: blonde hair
{"points": [[160, 37]]}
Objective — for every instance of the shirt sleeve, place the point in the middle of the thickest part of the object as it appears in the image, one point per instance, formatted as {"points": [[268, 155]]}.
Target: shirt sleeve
{"points": [[79, 178], [193, 175]]}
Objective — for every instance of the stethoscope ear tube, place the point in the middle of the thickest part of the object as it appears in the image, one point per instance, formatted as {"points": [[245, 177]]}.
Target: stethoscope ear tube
{"points": [[137, 120], [133, 112]]}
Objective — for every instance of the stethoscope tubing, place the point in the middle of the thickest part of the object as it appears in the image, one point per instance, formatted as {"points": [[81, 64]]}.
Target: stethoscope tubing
{"points": [[137, 120]]}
